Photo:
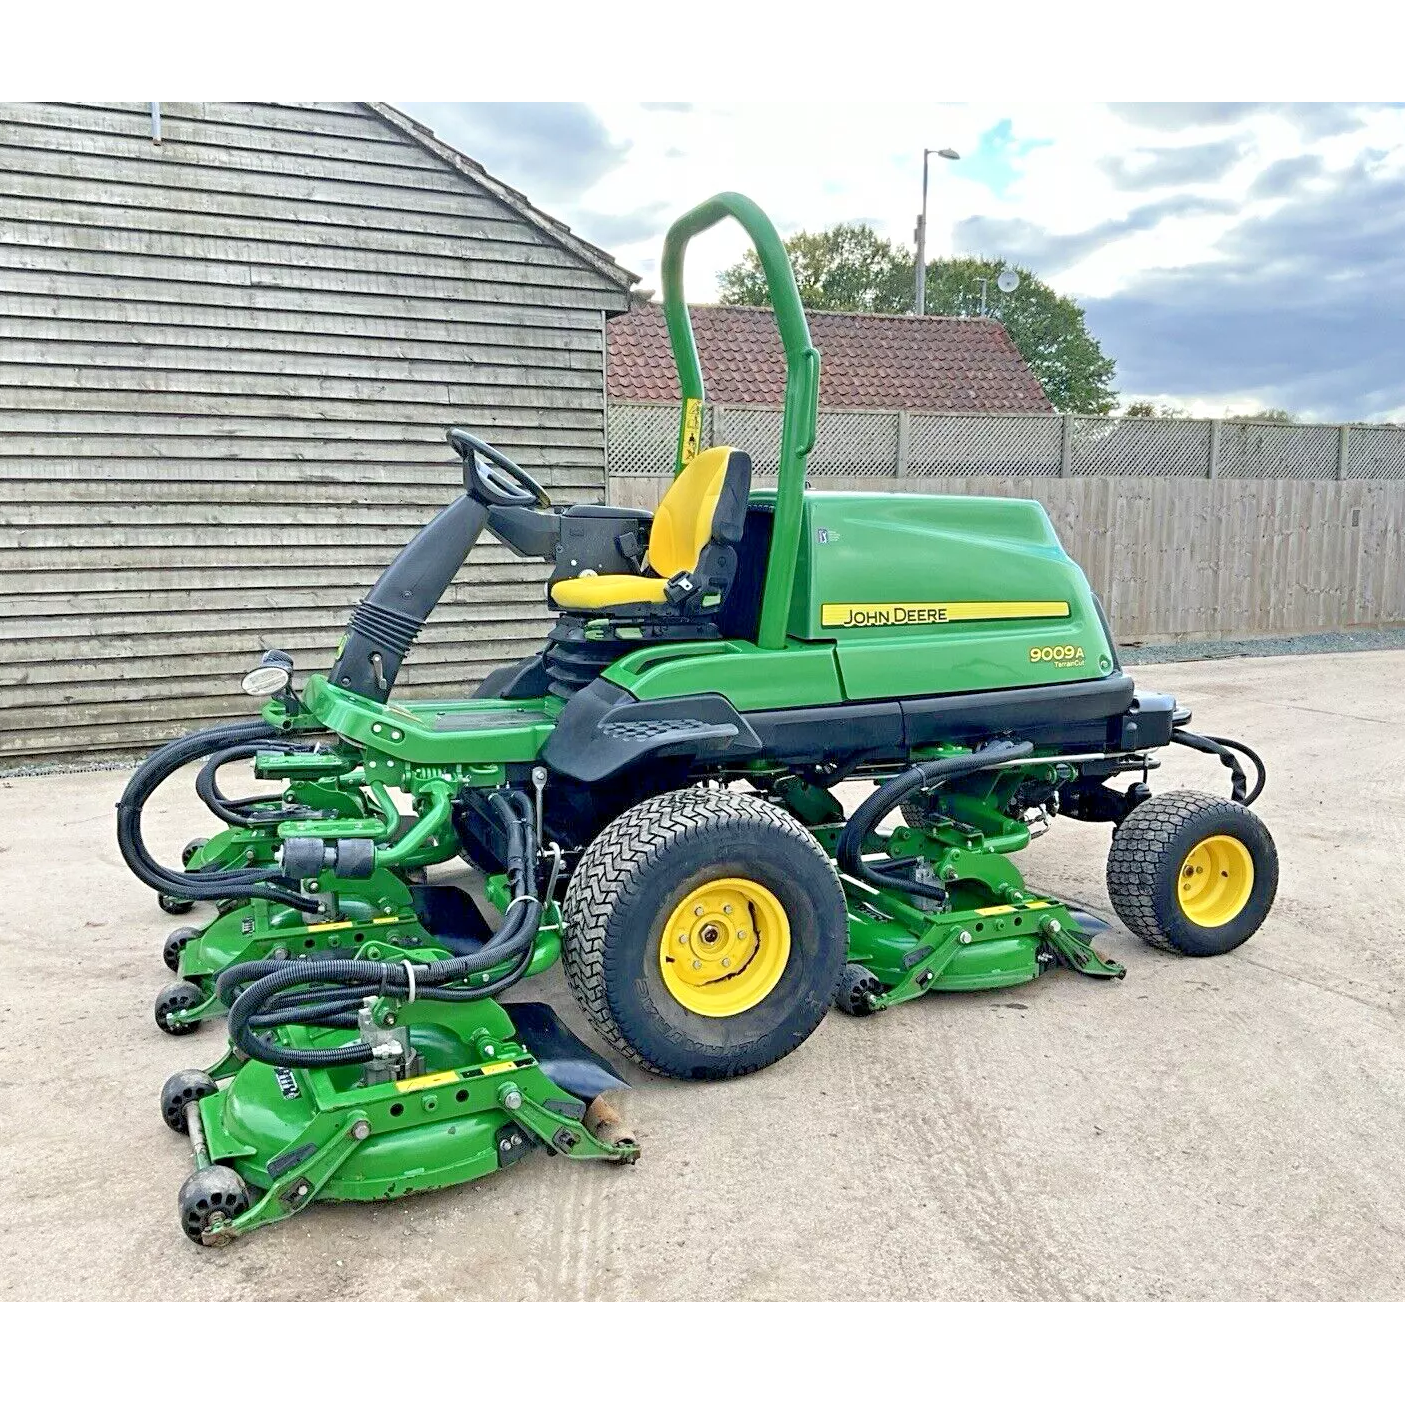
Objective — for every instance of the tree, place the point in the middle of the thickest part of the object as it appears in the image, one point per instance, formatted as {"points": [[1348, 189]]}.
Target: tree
{"points": [[1149, 410], [851, 268], [1270, 416], [847, 268]]}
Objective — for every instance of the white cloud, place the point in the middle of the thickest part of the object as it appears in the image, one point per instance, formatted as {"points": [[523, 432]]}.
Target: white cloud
{"points": [[1122, 195]]}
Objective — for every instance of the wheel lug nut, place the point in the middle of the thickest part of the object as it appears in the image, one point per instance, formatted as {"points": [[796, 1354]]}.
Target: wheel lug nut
{"points": [[698, 910], [726, 960], [697, 965]]}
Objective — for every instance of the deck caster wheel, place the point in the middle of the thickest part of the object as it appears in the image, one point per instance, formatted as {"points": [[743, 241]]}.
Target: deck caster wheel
{"points": [[192, 847], [187, 1086], [175, 944], [177, 907], [180, 995], [208, 1201], [1193, 874], [857, 985]]}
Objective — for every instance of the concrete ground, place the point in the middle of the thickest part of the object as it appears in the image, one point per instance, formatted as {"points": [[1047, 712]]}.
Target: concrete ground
{"points": [[1231, 1128]]}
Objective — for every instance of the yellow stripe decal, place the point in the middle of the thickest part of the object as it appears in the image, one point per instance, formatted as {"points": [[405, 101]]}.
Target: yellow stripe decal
{"points": [[993, 911], [501, 1067], [866, 615], [380, 921], [426, 1080], [329, 926]]}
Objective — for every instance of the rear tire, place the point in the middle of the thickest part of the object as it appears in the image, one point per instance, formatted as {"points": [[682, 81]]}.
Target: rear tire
{"points": [[1191, 873], [787, 930]]}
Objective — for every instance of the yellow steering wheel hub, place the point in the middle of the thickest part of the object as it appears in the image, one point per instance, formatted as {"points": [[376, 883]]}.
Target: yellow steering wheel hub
{"points": [[1215, 881], [724, 947]]}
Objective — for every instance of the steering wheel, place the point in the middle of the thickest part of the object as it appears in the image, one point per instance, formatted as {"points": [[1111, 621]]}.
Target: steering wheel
{"points": [[498, 482]]}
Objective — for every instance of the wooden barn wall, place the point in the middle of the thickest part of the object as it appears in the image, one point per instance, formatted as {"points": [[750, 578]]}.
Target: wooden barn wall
{"points": [[226, 367]]}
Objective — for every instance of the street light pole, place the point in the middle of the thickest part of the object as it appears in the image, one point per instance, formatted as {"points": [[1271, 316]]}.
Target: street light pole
{"points": [[920, 301]]}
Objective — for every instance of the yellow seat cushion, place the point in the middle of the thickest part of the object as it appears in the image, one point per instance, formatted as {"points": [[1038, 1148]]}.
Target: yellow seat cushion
{"points": [[683, 522], [600, 592]]}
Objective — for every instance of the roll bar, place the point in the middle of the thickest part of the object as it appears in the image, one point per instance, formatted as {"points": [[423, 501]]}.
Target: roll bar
{"points": [[802, 385]]}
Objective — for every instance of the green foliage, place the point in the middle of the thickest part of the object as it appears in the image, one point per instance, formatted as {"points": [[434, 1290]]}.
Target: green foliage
{"points": [[1149, 410], [847, 268], [1266, 416], [850, 268]]}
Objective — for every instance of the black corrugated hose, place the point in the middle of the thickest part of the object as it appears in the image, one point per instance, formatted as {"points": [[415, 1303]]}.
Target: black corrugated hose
{"points": [[328, 993], [1224, 748]]}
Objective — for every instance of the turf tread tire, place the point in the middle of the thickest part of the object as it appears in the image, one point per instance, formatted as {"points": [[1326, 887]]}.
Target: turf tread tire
{"points": [[612, 871], [1152, 840]]}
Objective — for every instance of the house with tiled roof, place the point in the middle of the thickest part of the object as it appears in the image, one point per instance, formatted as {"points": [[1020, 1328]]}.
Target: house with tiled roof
{"points": [[868, 361]]}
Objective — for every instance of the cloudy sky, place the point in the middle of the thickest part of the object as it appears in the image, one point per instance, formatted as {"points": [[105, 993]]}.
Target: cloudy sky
{"points": [[1229, 255]]}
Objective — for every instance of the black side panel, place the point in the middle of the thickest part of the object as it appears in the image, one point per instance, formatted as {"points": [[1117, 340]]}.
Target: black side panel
{"points": [[1085, 714], [527, 678], [811, 735], [603, 731], [1056, 712]]}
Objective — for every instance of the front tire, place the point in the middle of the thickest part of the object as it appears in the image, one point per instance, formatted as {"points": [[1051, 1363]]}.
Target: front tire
{"points": [[704, 933], [1192, 873]]}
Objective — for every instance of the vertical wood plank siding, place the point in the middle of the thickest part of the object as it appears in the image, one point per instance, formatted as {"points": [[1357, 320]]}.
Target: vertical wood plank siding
{"points": [[1181, 558], [226, 367]]}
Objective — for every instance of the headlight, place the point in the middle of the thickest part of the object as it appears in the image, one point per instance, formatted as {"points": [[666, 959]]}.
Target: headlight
{"points": [[265, 680]]}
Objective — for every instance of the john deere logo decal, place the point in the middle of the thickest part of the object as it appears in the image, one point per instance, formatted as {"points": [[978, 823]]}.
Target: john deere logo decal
{"points": [[869, 616]]}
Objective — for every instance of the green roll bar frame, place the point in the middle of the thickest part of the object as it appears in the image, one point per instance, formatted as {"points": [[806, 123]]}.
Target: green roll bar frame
{"points": [[802, 386]]}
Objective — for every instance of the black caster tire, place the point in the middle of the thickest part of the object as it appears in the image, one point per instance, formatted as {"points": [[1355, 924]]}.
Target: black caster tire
{"points": [[857, 985], [180, 995], [704, 933], [1191, 873], [209, 1198], [175, 944], [192, 847], [187, 1086], [177, 907]]}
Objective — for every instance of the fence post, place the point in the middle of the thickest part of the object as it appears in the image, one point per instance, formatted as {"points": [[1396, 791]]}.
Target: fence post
{"points": [[904, 443], [719, 426], [1343, 449], [1066, 448], [1213, 468]]}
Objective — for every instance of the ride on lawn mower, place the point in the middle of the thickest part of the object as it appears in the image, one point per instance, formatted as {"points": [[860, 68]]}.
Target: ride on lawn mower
{"points": [[715, 672]]}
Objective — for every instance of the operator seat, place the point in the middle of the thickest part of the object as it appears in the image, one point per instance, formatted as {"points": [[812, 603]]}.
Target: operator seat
{"points": [[691, 557]]}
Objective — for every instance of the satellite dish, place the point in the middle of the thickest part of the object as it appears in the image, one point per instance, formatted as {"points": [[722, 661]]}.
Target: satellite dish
{"points": [[1008, 281]]}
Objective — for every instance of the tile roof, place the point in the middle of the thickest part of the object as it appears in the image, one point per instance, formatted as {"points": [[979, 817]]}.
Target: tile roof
{"points": [[867, 361]]}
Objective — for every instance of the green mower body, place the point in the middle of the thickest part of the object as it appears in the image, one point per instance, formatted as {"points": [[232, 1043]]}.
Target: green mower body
{"points": [[658, 796]]}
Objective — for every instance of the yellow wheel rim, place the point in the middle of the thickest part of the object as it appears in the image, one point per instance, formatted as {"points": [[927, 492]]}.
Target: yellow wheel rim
{"points": [[724, 947], [1215, 881]]}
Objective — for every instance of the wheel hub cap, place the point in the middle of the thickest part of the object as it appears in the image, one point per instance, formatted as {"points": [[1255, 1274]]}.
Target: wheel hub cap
{"points": [[1215, 881], [724, 947]]}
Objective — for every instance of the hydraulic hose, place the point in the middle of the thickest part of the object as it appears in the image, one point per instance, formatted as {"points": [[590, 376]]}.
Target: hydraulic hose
{"points": [[243, 812], [924, 776], [1224, 748], [330, 991], [160, 766]]}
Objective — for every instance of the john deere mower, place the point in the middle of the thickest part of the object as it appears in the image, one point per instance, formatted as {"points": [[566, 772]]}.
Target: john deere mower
{"points": [[718, 668]]}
